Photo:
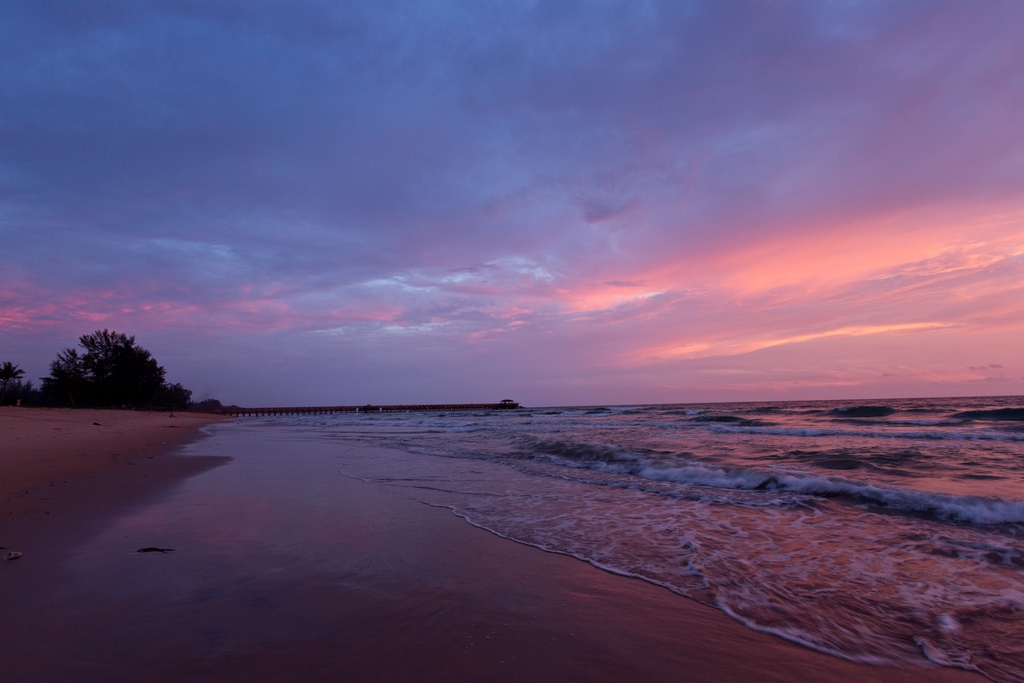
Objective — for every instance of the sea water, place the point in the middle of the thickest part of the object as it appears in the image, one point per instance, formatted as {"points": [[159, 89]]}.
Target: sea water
{"points": [[884, 531]]}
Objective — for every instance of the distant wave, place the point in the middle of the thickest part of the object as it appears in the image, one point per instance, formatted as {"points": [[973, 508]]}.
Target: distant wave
{"points": [[730, 419], [863, 411], [813, 431], [1013, 414], [947, 507]]}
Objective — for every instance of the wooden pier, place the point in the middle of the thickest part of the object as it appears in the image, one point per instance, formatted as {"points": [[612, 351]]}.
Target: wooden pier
{"points": [[507, 404]]}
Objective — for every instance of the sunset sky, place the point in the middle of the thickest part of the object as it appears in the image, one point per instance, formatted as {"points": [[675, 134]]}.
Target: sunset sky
{"points": [[560, 203]]}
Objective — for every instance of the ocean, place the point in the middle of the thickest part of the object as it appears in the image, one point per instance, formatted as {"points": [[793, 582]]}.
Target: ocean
{"points": [[881, 531]]}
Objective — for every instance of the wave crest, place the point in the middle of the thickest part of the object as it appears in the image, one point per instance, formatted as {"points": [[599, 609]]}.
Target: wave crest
{"points": [[863, 411], [942, 506], [585, 452]]}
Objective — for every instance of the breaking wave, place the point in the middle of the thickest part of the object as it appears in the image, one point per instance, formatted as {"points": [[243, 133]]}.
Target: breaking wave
{"points": [[941, 506]]}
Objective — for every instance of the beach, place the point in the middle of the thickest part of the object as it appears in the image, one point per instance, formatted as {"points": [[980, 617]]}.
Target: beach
{"points": [[284, 569], [45, 448]]}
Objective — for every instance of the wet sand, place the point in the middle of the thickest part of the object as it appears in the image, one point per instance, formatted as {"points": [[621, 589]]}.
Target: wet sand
{"points": [[285, 570]]}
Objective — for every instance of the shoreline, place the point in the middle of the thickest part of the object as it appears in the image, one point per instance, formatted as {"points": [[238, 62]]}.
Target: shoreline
{"points": [[286, 570]]}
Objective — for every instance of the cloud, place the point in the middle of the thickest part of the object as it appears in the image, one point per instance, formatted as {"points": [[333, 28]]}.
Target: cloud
{"points": [[645, 182]]}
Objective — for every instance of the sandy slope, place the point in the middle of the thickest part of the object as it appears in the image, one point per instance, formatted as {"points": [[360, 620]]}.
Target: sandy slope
{"points": [[40, 446]]}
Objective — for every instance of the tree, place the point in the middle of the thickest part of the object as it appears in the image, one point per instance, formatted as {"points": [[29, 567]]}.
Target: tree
{"points": [[172, 397], [120, 372], [113, 371], [206, 404], [23, 393], [67, 378], [8, 372]]}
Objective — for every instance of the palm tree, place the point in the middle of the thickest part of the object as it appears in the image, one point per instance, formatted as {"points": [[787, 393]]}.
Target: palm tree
{"points": [[8, 372]]}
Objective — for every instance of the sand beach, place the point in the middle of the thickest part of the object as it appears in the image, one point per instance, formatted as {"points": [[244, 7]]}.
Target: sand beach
{"points": [[285, 570], [47, 447]]}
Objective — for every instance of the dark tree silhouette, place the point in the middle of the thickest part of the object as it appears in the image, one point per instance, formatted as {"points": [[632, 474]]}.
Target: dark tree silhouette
{"points": [[173, 397], [113, 371], [8, 373], [206, 404], [67, 378], [121, 373]]}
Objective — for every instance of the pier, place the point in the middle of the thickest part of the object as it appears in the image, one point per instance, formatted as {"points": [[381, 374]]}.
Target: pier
{"points": [[506, 404]]}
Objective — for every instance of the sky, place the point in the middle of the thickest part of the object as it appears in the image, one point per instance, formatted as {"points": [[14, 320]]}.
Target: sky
{"points": [[563, 203]]}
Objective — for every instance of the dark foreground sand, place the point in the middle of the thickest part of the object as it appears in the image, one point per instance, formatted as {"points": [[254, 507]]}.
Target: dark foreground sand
{"points": [[341, 583]]}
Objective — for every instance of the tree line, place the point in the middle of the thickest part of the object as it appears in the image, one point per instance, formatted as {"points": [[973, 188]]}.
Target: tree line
{"points": [[111, 370]]}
